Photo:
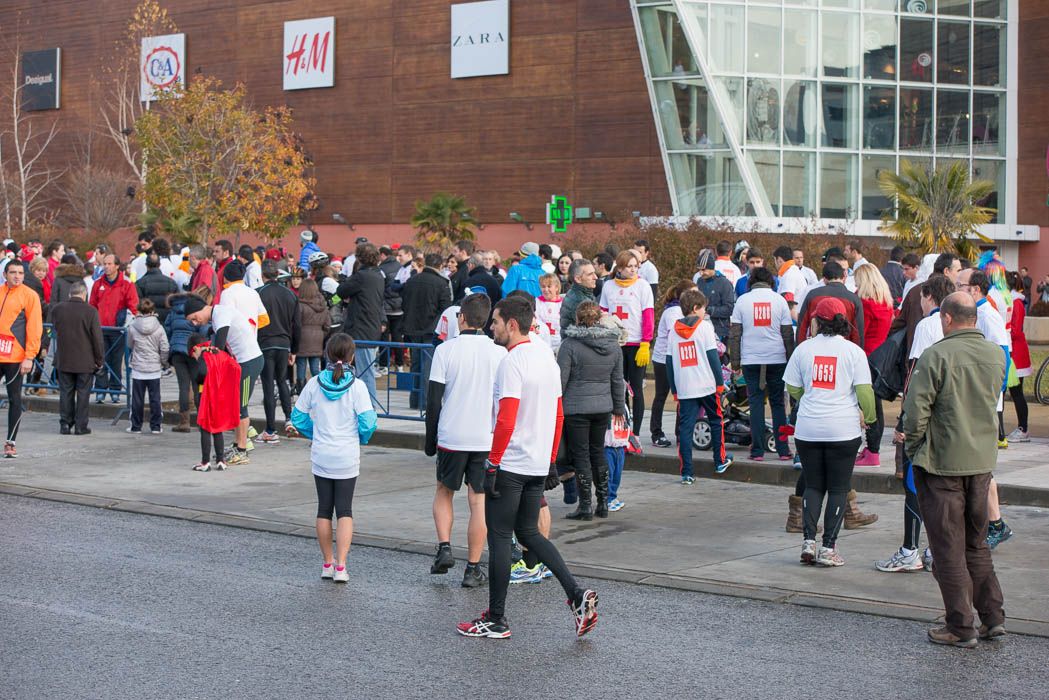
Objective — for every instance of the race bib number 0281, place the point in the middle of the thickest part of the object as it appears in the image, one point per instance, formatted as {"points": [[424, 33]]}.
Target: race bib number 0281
{"points": [[824, 372], [687, 355]]}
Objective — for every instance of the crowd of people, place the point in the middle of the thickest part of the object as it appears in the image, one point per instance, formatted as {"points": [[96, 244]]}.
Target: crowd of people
{"points": [[823, 350]]}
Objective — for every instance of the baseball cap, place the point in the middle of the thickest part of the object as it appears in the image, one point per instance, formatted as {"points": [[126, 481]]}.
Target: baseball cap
{"points": [[477, 290], [706, 258], [829, 307], [530, 248], [274, 254]]}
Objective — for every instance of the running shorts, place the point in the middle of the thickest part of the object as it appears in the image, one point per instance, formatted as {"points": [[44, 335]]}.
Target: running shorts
{"points": [[454, 467], [249, 374]]}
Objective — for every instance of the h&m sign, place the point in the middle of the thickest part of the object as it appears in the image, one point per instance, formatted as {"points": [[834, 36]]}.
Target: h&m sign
{"points": [[480, 40], [41, 79], [309, 53]]}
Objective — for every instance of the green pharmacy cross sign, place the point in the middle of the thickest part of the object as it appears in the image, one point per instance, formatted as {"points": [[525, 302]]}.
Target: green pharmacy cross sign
{"points": [[558, 214]]}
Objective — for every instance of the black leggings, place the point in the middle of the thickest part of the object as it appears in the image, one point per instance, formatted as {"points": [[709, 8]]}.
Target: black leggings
{"points": [[635, 377], [1020, 404], [660, 400], [517, 510], [827, 467], [275, 370], [334, 495], [207, 440], [13, 381]]}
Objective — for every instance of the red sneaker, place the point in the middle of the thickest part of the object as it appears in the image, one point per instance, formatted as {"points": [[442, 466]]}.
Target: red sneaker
{"points": [[868, 459]]}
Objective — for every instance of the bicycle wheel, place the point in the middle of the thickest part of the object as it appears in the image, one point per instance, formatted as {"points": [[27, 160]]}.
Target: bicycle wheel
{"points": [[1041, 383]]}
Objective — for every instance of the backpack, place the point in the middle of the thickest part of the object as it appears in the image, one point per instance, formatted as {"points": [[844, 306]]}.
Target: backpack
{"points": [[888, 365]]}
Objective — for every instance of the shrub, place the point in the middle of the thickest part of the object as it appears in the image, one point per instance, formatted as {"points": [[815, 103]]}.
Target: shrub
{"points": [[1039, 309]]}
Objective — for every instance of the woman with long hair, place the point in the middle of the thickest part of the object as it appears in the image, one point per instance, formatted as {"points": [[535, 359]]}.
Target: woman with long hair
{"points": [[629, 298], [1021, 359], [829, 377], [874, 292], [671, 313], [315, 325], [563, 263]]}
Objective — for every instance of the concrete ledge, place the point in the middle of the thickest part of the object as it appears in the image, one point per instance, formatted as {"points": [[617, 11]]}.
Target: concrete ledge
{"points": [[866, 607]]}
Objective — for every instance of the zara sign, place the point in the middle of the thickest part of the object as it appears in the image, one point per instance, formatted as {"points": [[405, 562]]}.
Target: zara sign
{"points": [[480, 38], [162, 65]]}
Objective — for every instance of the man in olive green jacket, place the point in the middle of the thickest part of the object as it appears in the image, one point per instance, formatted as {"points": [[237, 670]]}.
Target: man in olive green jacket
{"points": [[951, 428]]}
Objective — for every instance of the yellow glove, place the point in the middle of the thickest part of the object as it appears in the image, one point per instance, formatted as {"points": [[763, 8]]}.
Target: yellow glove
{"points": [[644, 355]]}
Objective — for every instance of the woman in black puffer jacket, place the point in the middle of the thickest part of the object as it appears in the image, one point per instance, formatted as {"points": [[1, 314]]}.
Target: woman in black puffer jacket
{"points": [[592, 387]]}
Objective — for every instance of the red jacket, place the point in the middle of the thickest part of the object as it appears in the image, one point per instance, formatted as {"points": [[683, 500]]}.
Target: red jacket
{"points": [[112, 298], [204, 276], [876, 321]]}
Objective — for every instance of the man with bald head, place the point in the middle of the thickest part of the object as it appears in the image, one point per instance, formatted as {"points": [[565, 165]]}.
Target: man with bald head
{"points": [[950, 425]]}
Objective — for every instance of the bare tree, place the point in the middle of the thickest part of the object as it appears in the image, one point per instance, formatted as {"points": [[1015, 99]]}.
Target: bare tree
{"points": [[97, 200]]}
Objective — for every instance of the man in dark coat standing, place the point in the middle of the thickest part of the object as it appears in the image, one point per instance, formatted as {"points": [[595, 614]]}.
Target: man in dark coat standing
{"points": [[478, 276], [363, 292], [79, 333], [424, 297]]}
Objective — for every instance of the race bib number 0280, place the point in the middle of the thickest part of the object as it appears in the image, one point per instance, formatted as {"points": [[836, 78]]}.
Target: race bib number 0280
{"points": [[824, 372], [762, 313]]}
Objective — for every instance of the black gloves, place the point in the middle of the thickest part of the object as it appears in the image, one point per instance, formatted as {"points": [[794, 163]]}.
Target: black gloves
{"points": [[490, 472], [552, 479]]}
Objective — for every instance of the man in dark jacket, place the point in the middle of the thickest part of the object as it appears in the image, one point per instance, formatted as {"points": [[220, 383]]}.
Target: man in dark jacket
{"points": [[462, 252], [363, 293], [391, 306], [279, 342], [424, 297], [156, 286], [79, 333], [721, 297], [892, 271], [834, 286], [478, 276], [584, 284]]}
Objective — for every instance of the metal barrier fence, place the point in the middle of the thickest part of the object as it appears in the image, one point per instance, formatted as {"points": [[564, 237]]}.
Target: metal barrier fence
{"points": [[414, 381]]}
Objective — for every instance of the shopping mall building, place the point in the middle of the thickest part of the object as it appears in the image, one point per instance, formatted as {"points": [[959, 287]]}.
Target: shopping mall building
{"points": [[776, 114]]}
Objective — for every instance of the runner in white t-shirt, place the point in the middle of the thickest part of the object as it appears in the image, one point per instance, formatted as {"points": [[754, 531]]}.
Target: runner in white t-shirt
{"points": [[791, 281], [671, 314], [830, 378], [240, 296], [447, 327], [459, 407], [521, 464], [548, 308], [723, 263], [761, 338]]}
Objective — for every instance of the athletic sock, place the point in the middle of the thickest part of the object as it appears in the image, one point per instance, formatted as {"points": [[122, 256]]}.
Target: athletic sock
{"points": [[473, 564], [444, 545], [907, 552]]}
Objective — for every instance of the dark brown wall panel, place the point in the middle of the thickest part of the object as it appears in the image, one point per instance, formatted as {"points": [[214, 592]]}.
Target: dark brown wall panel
{"points": [[1033, 117]]}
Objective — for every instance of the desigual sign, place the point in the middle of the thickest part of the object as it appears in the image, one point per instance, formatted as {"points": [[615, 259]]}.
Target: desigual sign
{"points": [[162, 64], [41, 79], [480, 41], [309, 53]]}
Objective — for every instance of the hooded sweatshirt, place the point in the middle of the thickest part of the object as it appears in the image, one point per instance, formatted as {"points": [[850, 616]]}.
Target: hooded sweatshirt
{"points": [[149, 347], [338, 417], [525, 275], [591, 371], [693, 365]]}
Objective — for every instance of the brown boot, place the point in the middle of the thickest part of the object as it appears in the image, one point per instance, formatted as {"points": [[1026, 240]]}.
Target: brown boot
{"points": [[794, 514], [854, 517], [183, 423]]}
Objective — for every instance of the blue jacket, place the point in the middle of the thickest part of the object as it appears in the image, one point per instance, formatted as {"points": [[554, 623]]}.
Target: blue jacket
{"points": [[179, 329], [525, 275], [307, 250]]}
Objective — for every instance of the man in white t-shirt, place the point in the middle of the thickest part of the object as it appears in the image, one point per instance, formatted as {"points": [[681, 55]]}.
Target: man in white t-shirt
{"points": [[447, 327], [854, 254], [459, 401], [694, 375], [807, 272], [241, 297], [723, 263], [647, 269], [521, 462], [761, 340], [791, 281]]}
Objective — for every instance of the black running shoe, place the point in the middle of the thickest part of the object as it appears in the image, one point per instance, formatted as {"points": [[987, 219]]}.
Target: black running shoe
{"points": [[484, 626], [661, 441], [473, 577], [443, 561]]}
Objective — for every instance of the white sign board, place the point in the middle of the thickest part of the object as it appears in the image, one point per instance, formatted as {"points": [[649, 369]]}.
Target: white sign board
{"points": [[162, 64], [309, 53], [481, 38]]}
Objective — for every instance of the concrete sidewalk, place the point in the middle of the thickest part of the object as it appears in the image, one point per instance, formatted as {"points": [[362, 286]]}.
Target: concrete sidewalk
{"points": [[718, 536]]}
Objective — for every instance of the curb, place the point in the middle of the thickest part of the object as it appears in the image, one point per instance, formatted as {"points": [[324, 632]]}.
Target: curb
{"points": [[766, 594], [769, 474]]}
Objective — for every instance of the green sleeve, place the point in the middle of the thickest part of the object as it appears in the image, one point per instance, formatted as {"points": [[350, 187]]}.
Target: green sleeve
{"points": [[796, 392], [918, 404], [865, 395]]}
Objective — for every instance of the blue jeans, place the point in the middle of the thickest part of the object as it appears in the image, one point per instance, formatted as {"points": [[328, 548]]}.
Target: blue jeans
{"points": [[756, 397], [687, 415], [615, 456], [364, 369], [300, 368]]}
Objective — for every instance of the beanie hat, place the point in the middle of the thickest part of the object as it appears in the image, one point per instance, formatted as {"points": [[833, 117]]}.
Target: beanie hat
{"points": [[706, 259], [192, 305], [234, 271], [530, 248]]}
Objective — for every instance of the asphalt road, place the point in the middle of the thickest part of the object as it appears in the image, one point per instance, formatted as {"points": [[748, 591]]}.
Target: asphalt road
{"points": [[98, 603]]}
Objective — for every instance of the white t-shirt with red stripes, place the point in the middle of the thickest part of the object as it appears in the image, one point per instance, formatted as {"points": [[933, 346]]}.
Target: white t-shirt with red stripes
{"points": [[627, 304], [548, 313], [525, 374], [447, 327]]}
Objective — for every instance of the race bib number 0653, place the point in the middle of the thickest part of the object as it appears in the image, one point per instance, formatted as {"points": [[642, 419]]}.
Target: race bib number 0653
{"points": [[824, 372]]}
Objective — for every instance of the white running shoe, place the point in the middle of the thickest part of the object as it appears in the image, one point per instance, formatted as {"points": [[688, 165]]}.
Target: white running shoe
{"points": [[828, 556], [328, 571], [901, 561], [342, 575], [808, 552], [1019, 436]]}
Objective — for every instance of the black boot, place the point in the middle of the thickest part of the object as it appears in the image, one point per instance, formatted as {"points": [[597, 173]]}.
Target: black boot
{"points": [[584, 511], [601, 492]]}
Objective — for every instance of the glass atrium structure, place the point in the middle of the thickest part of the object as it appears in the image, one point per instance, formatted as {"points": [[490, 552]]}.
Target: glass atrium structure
{"points": [[791, 108]]}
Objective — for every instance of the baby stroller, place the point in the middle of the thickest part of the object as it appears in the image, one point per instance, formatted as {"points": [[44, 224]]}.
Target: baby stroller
{"points": [[736, 416]]}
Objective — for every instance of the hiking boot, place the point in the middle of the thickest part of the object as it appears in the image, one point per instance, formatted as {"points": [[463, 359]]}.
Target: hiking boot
{"points": [[942, 635], [473, 577], [794, 514], [183, 423], [854, 517], [443, 561], [992, 632], [581, 513]]}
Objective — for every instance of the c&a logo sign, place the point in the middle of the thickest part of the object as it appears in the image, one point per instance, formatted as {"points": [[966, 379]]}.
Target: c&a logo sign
{"points": [[309, 53], [162, 64]]}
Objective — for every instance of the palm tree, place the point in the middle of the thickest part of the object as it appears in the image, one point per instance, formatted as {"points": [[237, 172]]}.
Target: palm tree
{"points": [[442, 220], [937, 210]]}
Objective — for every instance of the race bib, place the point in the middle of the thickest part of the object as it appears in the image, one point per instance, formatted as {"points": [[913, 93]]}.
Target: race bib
{"points": [[824, 372], [762, 313], [687, 355], [7, 346]]}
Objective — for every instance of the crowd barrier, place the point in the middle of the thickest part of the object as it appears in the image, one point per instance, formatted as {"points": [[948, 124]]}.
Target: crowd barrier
{"points": [[412, 382]]}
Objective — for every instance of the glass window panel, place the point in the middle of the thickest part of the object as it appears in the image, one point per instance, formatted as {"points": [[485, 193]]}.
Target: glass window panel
{"points": [[889, 5], [989, 58], [874, 202], [843, 4], [879, 47], [800, 115], [841, 45], [920, 7], [726, 38], [838, 185], [993, 170], [993, 9], [732, 92], [709, 185], [799, 43], [687, 114], [668, 50], [952, 53], [916, 50], [799, 183], [952, 122], [987, 120], [879, 118], [766, 163], [763, 35], [763, 111], [915, 119], [841, 115], [954, 7]]}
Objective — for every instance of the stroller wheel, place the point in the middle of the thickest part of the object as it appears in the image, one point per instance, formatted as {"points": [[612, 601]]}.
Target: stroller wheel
{"points": [[701, 437], [770, 441]]}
